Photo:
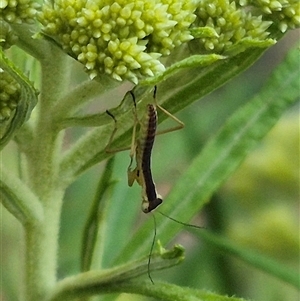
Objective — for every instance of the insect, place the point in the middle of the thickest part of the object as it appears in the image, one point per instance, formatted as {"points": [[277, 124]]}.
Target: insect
{"points": [[141, 148]]}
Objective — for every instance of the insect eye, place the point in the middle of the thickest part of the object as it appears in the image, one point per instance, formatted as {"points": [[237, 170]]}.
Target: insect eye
{"points": [[145, 206]]}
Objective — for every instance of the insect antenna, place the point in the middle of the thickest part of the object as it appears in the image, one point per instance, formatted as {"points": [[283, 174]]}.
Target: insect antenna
{"points": [[151, 249], [180, 222], [155, 234]]}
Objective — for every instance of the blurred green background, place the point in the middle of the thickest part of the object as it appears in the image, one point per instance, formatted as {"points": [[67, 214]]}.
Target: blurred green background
{"points": [[258, 207]]}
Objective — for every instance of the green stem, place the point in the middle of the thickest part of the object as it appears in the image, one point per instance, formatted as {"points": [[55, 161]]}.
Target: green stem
{"points": [[42, 158], [19, 200], [36, 47], [82, 94], [41, 252]]}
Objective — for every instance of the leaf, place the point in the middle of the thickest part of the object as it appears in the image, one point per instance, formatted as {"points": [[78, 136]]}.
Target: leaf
{"points": [[254, 258], [100, 282], [197, 60], [246, 43], [96, 220], [172, 292], [223, 154], [28, 100], [120, 279]]}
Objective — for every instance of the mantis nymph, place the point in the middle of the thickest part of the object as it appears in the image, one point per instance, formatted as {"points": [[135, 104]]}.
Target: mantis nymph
{"points": [[141, 147]]}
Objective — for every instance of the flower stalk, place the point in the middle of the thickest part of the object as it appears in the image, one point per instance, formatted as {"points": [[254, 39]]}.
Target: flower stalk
{"points": [[43, 161]]}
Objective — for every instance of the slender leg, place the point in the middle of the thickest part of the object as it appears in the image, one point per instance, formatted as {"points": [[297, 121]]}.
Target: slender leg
{"points": [[132, 175], [107, 148], [179, 125]]}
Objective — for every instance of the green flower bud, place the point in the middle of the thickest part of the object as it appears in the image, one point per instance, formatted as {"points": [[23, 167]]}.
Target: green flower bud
{"points": [[9, 95], [284, 13], [18, 11], [122, 38], [232, 23], [289, 16]]}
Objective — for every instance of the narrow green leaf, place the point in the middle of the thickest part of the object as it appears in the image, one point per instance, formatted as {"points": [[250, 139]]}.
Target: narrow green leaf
{"points": [[223, 154], [159, 291], [189, 85], [28, 100], [96, 220], [246, 43], [171, 292], [193, 61], [100, 282], [252, 257]]}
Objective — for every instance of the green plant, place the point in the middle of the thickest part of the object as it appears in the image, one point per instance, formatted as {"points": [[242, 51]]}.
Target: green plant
{"points": [[196, 45]]}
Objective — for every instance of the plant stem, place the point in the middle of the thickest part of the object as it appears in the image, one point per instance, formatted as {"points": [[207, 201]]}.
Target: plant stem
{"points": [[41, 252], [43, 178]]}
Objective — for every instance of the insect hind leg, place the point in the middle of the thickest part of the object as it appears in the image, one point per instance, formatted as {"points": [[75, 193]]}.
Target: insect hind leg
{"points": [[179, 125]]}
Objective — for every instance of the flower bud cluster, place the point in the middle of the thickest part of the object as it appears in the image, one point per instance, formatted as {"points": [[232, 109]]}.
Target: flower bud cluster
{"points": [[18, 11], [232, 24], [122, 38], [9, 95], [284, 12]]}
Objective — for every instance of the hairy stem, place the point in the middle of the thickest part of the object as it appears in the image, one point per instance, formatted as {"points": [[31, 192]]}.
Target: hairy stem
{"points": [[43, 179]]}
